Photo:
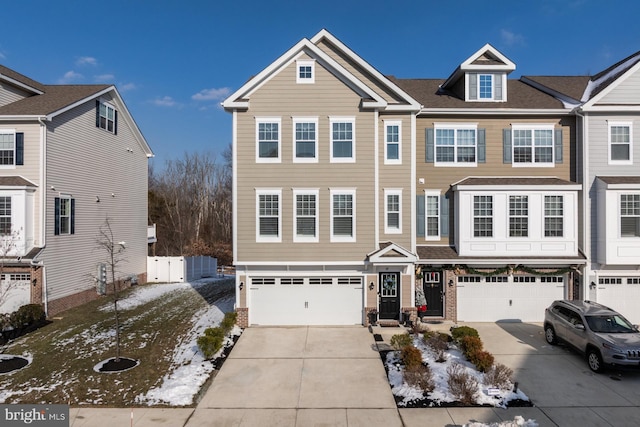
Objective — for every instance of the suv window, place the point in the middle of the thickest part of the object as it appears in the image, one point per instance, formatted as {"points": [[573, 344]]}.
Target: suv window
{"points": [[568, 315]]}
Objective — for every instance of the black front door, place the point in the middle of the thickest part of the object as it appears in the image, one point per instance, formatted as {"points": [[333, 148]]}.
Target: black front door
{"points": [[432, 287], [389, 296]]}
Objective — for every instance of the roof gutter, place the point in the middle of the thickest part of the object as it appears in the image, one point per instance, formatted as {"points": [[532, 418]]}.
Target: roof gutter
{"points": [[493, 111]]}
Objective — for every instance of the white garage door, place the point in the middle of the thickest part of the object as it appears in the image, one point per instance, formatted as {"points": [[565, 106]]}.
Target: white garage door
{"points": [[516, 298], [16, 291], [621, 294], [306, 301]]}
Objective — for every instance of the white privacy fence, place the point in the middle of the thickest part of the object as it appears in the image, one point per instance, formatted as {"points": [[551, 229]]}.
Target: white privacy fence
{"points": [[179, 268]]}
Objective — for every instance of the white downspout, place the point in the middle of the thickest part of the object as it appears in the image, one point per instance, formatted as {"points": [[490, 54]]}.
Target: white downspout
{"points": [[43, 210]]}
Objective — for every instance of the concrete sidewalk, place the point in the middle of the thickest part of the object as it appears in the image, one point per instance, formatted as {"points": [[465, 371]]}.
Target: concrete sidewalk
{"points": [[333, 376]]}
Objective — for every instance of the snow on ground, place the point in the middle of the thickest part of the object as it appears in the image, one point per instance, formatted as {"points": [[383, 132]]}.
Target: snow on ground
{"points": [[518, 421], [144, 294]]}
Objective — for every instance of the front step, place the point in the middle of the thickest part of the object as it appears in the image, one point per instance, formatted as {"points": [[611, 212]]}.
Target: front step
{"points": [[388, 323]]}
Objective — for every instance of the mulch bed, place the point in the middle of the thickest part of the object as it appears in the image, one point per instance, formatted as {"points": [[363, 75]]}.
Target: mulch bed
{"points": [[12, 363], [118, 366]]}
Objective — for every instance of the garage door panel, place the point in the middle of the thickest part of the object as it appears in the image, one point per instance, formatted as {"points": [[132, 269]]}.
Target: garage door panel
{"points": [[623, 298]]}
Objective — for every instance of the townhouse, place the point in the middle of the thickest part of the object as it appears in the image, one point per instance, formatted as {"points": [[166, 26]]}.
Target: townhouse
{"points": [[476, 197]]}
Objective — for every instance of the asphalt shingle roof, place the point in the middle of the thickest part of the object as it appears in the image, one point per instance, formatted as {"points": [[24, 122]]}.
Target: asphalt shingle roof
{"points": [[54, 98]]}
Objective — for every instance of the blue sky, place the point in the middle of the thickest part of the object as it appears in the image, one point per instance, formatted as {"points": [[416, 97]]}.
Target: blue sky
{"points": [[175, 61]]}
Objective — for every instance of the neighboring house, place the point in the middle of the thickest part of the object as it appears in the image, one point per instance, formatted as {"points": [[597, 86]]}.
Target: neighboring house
{"points": [[323, 190], [609, 162], [71, 156]]}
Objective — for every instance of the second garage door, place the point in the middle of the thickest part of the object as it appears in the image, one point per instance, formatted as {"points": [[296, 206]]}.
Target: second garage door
{"points": [[306, 301], [515, 298]]}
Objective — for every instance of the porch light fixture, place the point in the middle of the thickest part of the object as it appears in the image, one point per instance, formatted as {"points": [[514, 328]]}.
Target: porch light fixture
{"points": [[371, 285], [592, 285], [450, 283], [241, 285]]}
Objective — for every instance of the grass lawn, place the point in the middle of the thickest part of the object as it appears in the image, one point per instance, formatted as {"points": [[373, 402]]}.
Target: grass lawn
{"points": [[65, 352]]}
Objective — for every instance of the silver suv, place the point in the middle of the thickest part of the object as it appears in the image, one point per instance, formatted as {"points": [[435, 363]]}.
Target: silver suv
{"points": [[599, 332]]}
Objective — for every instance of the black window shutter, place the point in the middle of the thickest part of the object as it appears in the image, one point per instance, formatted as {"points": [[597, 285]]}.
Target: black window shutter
{"points": [[115, 122], [97, 113], [506, 145], [420, 212], [73, 216], [444, 216], [429, 146], [56, 216], [558, 146], [482, 146], [19, 149]]}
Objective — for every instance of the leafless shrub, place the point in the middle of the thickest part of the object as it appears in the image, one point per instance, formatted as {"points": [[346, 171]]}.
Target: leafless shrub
{"points": [[438, 343], [462, 385], [499, 376], [419, 376]]}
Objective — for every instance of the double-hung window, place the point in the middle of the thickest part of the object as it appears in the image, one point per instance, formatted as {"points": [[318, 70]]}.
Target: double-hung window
{"points": [[392, 138], [305, 137], [305, 216], [106, 117], [5, 215], [630, 215], [64, 215], [485, 86], [518, 216], [268, 218], [553, 216], [343, 215], [432, 215], [482, 216], [393, 211], [11, 148], [456, 145], [305, 71], [268, 140], [533, 146], [620, 147], [343, 139]]}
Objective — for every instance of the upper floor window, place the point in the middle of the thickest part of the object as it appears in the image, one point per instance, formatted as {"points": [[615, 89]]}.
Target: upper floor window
{"points": [[456, 145], [305, 140], [106, 117], [620, 146], [485, 86], [343, 139], [533, 146], [306, 216], [482, 216], [518, 216], [630, 215], [11, 148], [392, 138], [553, 216], [5, 216], [268, 227], [268, 140], [64, 215], [343, 215], [305, 71], [393, 208]]}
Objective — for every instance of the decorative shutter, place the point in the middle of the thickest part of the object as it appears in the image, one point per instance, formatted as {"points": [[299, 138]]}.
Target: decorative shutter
{"points": [[56, 216], [473, 86], [444, 216], [420, 212], [506, 146], [429, 146], [19, 149], [558, 145], [115, 122], [73, 217], [97, 113], [497, 83], [482, 146]]}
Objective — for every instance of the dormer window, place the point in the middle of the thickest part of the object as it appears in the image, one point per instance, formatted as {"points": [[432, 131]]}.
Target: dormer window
{"points": [[485, 86], [305, 71]]}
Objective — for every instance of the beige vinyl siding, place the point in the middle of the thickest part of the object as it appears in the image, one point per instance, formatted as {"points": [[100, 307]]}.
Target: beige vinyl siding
{"points": [[442, 177], [625, 93], [282, 97], [85, 162], [9, 94]]}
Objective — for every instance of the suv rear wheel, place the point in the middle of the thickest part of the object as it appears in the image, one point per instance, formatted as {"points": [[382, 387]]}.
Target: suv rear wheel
{"points": [[594, 359], [550, 335]]}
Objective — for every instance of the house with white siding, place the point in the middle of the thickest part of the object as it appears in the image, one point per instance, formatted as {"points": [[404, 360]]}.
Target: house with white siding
{"points": [[71, 158]]}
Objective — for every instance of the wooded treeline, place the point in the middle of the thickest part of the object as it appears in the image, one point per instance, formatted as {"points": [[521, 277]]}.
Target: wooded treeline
{"points": [[190, 203]]}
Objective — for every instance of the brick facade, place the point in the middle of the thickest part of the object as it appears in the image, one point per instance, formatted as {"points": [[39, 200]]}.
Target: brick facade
{"points": [[243, 317]]}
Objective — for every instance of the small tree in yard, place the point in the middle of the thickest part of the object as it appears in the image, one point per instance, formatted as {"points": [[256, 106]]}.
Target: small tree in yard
{"points": [[7, 247], [114, 252]]}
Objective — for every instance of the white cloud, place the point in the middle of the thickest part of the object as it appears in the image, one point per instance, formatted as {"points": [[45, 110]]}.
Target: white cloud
{"points": [[104, 78], [510, 38], [212, 94], [127, 86], [70, 77], [165, 101], [87, 60]]}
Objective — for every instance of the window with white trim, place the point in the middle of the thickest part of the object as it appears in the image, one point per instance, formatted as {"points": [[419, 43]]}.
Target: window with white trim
{"points": [[107, 117], [64, 215], [553, 216], [5, 215], [343, 215], [305, 139], [482, 216], [305, 71], [620, 145], [268, 140], [533, 146], [7, 147], [268, 218], [518, 216], [432, 215], [392, 142], [305, 216], [630, 215], [393, 211], [343, 140], [485, 86], [456, 144]]}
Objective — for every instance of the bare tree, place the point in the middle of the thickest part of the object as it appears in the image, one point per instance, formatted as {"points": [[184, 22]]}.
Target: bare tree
{"points": [[8, 248]]}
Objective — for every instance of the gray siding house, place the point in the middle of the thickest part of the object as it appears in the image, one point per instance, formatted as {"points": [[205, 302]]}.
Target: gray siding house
{"points": [[71, 157]]}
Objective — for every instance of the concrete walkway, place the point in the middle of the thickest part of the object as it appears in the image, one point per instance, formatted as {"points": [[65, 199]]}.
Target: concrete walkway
{"points": [[333, 376]]}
